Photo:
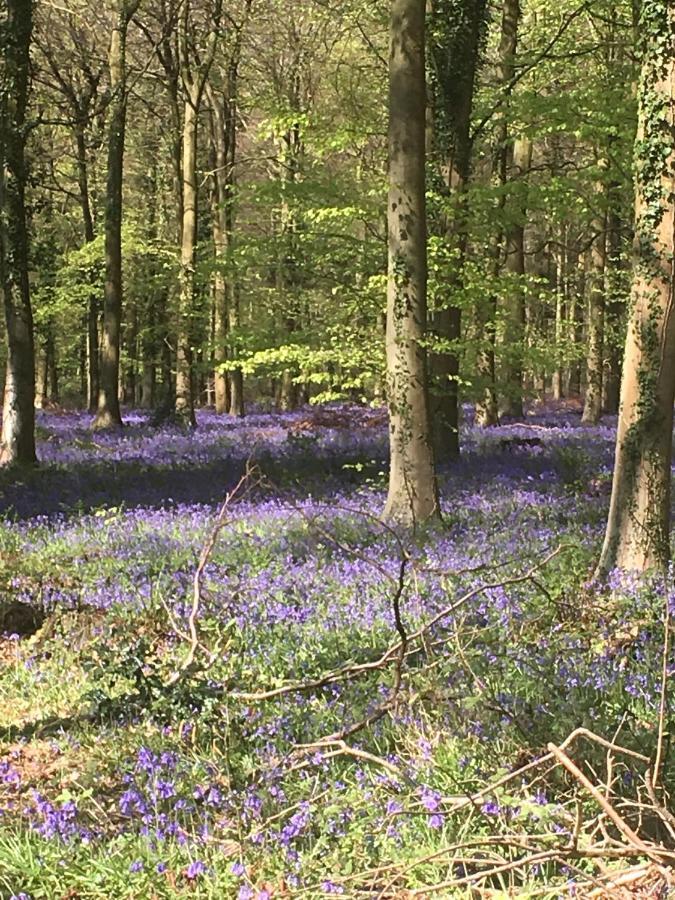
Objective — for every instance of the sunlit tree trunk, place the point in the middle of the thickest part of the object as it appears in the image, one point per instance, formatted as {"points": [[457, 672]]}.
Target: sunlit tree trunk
{"points": [[17, 443], [638, 526], [195, 65], [288, 274], [559, 324], [93, 304], [514, 265], [220, 378], [614, 317], [596, 325], [185, 386], [229, 393], [108, 414], [412, 496]]}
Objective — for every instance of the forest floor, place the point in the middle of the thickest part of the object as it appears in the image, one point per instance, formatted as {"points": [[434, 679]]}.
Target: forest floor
{"points": [[321, 706]]}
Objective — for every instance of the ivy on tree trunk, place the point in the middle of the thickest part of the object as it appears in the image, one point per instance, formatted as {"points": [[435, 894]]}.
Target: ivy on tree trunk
{"points": [[638, 527]]}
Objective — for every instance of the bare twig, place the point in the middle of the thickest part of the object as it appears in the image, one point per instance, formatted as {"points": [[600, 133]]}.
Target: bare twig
{"points": [[244, 485], [604, 804], [656, 772]]}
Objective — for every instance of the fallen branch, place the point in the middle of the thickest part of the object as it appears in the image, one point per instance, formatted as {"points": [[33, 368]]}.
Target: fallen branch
{"points": [[244, 485], [604, 804]]}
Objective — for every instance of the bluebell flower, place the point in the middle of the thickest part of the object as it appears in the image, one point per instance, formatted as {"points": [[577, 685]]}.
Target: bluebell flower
{"points": [[195, 869]]}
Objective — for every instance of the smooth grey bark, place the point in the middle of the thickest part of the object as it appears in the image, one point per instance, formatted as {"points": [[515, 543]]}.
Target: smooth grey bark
{"points": [[229, 394], [514, 265], [412, 496], [17, 442], [108, 414], [614, 313], [89, 235], [185, 382], [596, 325], [195, 65]]}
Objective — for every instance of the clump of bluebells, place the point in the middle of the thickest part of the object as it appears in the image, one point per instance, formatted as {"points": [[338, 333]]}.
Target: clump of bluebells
{"points": [[194, 784]]}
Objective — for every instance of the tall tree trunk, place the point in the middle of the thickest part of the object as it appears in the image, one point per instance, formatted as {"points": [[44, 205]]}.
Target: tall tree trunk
{"points": [[17, 443], [412, 496], [229, 392], [638, 526], [185, 376], [195, 65], [596, 326], [93, 304], [614, 313], [557, 385], [454, 47], [287, 274], [576, 288], [108, 414], [220, 379], [514, 265], [511, 231], [487, 413]]}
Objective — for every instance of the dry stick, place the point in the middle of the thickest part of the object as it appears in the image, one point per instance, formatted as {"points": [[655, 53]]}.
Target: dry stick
{"points": [[533, 859], [621, 880], [456, 848], [495, 785], [403, 644], [610, 759], [338, 738], [664, 689], [578, 732], [349, 672], [343, 749], [604, 804], [205, 555], [663, 811]]}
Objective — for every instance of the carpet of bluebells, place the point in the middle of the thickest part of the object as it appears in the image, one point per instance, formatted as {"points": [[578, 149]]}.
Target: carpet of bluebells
{"points": [[120, 777]]}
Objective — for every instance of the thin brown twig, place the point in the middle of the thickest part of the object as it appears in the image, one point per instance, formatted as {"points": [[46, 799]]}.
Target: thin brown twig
{"points": [[352, 671], [243, 485], [604, 804], [664, 690]]}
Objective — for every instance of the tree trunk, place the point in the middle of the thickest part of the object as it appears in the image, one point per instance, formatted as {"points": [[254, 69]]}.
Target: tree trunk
{"points": [[456, 32], [287, 274], [185, 379], [17, 443], [229, 391], [412, 496], [577, 289], [514, 264], [93, 305], [614, 316], [512, 231], [195, 65], [596, 327], [108, 414], [638, 527], [487, 413], [557, 383]]}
